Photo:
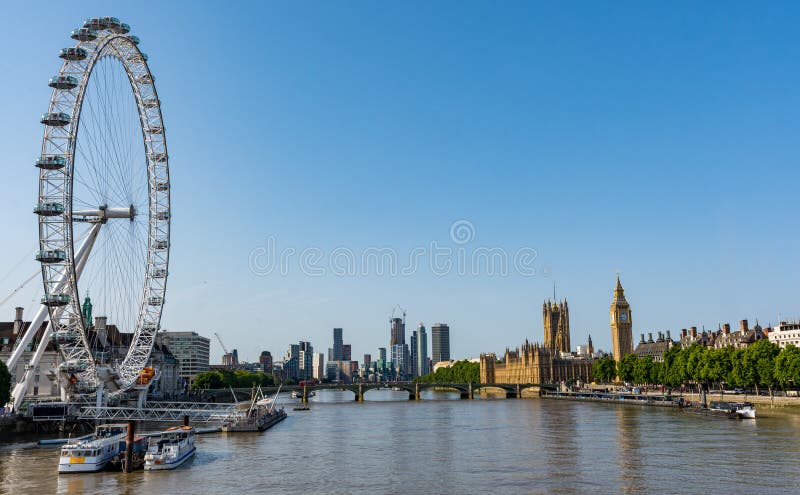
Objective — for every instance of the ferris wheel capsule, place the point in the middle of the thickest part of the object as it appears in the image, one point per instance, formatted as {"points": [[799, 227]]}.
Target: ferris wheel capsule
{"points": [[56, 119], [72, 53], [63, 82], [51, 162], [51, 256], [111, 23], [94, 23], [122, 28], [55, 300], [84, 34]]}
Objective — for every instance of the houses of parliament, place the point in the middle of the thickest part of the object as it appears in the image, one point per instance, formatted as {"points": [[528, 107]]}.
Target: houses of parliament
{"points": [[553, 361]]}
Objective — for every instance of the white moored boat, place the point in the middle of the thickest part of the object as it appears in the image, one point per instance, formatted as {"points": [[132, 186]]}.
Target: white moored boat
{"points": [[299, 395], [94, 453], [745, 410], [171, 449]]}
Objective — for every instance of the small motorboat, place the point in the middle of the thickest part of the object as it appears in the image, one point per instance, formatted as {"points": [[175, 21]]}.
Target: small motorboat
{"points": [[745, 410], [170, 449], [299, 395]]}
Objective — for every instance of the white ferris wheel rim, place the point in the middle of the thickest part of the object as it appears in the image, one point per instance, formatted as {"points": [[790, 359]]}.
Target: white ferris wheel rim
{"points": [[61, 261]]}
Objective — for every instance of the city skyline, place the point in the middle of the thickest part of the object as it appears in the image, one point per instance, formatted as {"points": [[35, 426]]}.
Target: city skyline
{"points": [[645, 139]]}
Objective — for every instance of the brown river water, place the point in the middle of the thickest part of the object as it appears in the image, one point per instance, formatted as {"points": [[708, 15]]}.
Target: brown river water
{"points": [[443, 445]]}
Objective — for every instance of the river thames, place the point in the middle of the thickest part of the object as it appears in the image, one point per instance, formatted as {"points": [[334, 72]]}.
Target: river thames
{"points": [[440, 446]]}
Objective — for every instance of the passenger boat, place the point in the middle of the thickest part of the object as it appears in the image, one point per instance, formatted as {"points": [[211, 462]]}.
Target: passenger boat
{"points": [[261, 415], [93, 453], [745, 410], [170, 449], [299, 395]]}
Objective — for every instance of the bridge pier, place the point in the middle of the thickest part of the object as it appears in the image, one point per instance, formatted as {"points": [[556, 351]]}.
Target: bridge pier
{"points": [[415, 395], [360, 393], [305, 394], [471, 392]]}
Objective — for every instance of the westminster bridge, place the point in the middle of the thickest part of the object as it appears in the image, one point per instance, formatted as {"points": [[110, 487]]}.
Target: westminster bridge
{"points": [[465, 390]]}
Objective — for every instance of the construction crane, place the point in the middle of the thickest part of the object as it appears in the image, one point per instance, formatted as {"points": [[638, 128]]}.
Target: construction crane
{"points": [[219, 339], [404, 313]]}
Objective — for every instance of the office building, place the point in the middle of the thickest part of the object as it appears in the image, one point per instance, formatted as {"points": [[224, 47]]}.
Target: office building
{"points": [[291, 362], [305, 361], [440, 336], [190, 349], [319, 366], [337, 345], [413, 360], [421, 353], [265, 360]]}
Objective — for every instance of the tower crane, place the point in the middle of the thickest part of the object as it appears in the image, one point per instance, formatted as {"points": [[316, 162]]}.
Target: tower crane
{"points": [[219, 339], [404, 313]]}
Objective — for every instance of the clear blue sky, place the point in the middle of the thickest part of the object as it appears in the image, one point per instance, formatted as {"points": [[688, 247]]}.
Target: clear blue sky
{"points": [[657, 139]]}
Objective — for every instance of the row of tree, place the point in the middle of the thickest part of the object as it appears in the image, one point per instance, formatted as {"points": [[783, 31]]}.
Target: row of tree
{"points": [[762, 364], [227, 378], [459, 372]]}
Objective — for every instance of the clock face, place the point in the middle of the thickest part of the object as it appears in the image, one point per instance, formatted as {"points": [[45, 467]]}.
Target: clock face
{"points": [[623, 317]]}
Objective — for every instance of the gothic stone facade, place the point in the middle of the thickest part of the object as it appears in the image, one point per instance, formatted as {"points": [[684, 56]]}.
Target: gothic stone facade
{"points": [[533, 363], [555, 319]]}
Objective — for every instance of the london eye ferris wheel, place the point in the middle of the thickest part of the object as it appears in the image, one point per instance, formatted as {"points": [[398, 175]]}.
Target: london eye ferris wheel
{"points": [[103, 208]]}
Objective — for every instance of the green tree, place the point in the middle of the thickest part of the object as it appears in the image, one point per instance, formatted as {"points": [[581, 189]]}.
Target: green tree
{"points": [[761, 357], [657, 373], [742, 374], [236, 379], [642, 367], [696, 364], [208, 379], [604, 369], [625, 367], [459, 372], [718, 365], [673, 369], [5, 385], [787, 367]]}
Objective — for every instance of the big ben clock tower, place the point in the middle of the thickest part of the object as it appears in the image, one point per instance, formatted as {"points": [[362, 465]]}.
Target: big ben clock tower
{"points": [[621, 325]]}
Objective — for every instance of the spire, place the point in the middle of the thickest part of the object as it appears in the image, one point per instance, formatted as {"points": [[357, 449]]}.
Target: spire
{"points": [[87, 311], [619, 291]]}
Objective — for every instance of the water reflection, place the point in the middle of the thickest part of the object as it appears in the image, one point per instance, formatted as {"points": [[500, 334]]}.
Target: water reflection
{"points": [[629, 451]]}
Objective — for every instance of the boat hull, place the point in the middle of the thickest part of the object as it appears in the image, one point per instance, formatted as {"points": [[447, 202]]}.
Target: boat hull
{"points": [[83, 467], [156, 465]]}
